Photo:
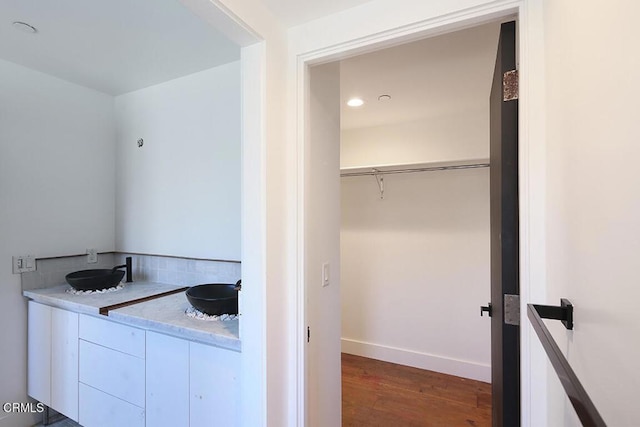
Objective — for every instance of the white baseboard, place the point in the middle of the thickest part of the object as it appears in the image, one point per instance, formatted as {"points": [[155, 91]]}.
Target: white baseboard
{"points": [[445, 365]]}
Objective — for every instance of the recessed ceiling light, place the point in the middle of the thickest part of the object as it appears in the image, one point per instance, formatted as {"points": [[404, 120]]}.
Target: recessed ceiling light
{"points": [[355, 102], [23, 26], [384, 97]]}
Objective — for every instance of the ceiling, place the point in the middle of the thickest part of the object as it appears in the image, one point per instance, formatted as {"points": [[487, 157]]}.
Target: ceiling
{"points": [[433, 77], [113, 46], [296, 12]]}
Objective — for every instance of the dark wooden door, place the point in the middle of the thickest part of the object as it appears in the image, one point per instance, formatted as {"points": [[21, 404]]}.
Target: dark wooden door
{"points": [[505, 332]]}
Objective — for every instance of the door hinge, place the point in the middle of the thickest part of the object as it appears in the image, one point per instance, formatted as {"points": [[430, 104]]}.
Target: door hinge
{"points": [[510, 85], [308, 334], [511, 309]]}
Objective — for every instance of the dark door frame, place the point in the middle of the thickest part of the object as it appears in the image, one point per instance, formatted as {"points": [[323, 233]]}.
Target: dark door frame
{"points": [[505, 257]]}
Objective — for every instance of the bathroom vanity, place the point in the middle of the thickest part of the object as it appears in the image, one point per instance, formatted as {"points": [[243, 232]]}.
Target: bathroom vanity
{"points": [[146, 363]]}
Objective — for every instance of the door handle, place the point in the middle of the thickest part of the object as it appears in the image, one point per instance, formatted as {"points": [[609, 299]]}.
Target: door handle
{"points": [[486, 308]]}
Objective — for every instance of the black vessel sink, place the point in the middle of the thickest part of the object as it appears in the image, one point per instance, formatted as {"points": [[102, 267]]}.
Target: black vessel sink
{"points": [[214, 298], [93, 280]]}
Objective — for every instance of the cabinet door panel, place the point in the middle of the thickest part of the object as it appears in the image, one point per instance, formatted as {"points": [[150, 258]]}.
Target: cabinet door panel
{"points": [[167, 380], [215, 388], [64, 362], [39, 352], [98, 409]]}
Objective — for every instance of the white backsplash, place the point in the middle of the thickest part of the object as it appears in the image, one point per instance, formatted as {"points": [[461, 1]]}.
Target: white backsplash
{"points": [[149, 268], [181, 271]]}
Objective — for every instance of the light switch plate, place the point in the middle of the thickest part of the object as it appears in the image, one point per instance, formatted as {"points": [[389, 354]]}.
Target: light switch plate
{"points": [[23, 264], [325, 274]]}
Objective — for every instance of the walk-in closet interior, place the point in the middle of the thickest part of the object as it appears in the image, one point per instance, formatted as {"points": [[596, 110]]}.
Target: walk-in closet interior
{"points": [[414, 165]]}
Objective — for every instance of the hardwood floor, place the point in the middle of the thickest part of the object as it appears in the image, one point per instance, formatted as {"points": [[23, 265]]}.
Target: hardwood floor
{"points": [[376, 393]]}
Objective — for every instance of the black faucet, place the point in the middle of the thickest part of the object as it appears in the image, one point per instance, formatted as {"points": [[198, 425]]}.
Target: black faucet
{"points": [[128, 267]]}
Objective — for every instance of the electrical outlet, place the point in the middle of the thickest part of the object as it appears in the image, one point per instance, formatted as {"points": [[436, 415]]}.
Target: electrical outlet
{"points": [[23, 264], [92, 256]]}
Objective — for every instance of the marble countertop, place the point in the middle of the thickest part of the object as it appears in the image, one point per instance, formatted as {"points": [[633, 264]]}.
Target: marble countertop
{"points": [[58, 296], [167, 315], [164, 314]]}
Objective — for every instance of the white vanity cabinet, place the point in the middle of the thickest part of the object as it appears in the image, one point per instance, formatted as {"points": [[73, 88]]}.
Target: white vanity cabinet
{"points": [[53, 358], [111, 374], [214, 386], [39, 352], [103, 373], [167, 381], [191, 384]]}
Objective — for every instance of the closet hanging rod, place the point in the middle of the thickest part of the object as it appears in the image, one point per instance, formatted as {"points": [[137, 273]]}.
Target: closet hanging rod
{"points": [[375, 171]]}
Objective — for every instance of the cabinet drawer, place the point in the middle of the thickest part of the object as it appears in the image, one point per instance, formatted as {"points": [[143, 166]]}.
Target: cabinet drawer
{"points": [[113, 372], [113, 335], [98, 409]]}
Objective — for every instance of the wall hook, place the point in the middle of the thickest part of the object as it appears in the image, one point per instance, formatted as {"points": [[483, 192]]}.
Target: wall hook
{"points": [[380, 181], [140, 142]]}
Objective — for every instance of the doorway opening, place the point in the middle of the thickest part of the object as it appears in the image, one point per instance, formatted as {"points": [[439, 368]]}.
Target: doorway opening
{"points": [[415, 238], [408, 252]]}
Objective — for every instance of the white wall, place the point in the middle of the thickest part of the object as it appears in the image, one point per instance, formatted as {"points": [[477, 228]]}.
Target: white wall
{"points": [[594, 197], [322, 208], [56, 190], [453, 137], [179, 194], [415, 270]]}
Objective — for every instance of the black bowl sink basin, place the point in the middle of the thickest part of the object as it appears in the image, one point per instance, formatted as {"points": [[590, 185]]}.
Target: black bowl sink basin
{"points": [[214, 298], [94, 280]]}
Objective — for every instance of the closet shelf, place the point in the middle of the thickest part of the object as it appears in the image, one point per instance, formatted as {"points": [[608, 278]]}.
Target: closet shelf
{"points": [[375, 170]]}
